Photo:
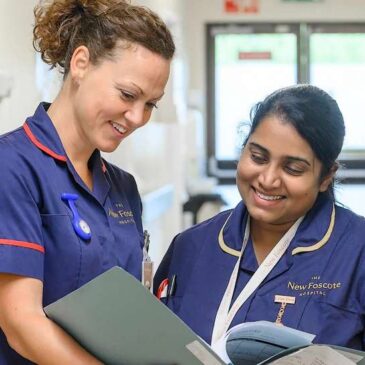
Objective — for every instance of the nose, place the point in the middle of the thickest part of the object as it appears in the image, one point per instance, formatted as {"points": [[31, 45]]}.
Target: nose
{"points": [[269, 178], [135, 115]]}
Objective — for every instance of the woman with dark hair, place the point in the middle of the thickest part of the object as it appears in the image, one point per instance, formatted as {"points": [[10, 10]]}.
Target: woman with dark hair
{"points": [[287, 253], [67, 214]]}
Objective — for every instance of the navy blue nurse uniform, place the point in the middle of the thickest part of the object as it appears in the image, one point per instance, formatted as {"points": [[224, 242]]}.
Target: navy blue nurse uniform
{"points": [[323, 268], [37, 238]]}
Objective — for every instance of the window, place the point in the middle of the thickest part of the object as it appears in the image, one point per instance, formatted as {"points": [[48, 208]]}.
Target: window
{"points": [[247, 62]]}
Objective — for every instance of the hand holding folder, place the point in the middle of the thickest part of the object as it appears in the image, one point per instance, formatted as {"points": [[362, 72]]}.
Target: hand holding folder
{"points": [[120, 322]]}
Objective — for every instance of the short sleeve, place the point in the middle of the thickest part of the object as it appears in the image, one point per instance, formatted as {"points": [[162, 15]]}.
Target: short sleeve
{"points": [[21, 247]]}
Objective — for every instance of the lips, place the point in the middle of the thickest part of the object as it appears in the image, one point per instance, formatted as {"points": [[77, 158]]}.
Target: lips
{"points": [[118, 127], [268, 197]]}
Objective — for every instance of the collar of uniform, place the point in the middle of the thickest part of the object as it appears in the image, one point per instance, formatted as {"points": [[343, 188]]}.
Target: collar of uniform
{"points": [[233, 234], [101, 185], [313, 228], [315, 225], [233, 230], [42, 133]]}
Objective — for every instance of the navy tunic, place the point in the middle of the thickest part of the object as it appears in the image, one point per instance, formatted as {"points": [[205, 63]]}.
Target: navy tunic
{"points": [[327, 282], [37, 238]]}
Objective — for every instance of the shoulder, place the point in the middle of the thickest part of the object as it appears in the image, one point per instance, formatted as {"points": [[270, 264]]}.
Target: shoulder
{"points": [[20, 166], [17, 154], [194, 237], [17, 146], [349, 233], [12, 144], [187, 246], [352, 223], [350, 249]]}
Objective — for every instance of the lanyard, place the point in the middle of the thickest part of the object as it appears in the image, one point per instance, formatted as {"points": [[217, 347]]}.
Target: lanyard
{"points": [[225, 314]]}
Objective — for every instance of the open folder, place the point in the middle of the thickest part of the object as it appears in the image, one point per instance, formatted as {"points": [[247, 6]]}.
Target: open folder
{"points": [[115, 318]]}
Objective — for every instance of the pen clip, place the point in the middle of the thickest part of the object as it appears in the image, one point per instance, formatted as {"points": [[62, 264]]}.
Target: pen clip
{"points": [[172, 286], [146, 244], [147, 264]]}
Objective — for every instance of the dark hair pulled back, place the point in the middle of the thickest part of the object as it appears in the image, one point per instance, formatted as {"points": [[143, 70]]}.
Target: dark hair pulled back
{"points": [[313, 113]]}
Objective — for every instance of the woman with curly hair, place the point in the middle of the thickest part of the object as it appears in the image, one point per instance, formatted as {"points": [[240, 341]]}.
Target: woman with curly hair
{"points": [[67, 214]]}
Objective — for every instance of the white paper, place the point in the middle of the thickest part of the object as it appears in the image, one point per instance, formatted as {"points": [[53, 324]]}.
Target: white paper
{"points": [[354, 357], [315, 355]]}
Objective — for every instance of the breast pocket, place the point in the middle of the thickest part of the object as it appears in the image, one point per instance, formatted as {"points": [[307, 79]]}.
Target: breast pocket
{"points": [[332, 323]]}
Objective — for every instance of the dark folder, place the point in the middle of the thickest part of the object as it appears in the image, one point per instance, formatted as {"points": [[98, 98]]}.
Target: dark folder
{"points": [[120, 322]]}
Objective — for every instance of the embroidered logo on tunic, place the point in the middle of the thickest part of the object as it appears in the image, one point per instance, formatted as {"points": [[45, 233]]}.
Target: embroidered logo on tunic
{"points": [[124, 216], [313, 287]]}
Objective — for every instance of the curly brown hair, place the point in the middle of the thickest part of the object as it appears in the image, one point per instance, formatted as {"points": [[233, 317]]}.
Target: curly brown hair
{"points": [[63, 25]]}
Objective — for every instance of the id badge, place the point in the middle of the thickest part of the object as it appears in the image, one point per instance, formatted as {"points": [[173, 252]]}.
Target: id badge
{"points": [[147, 274]]}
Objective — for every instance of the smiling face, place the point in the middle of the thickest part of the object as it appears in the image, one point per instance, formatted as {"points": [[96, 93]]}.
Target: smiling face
{"points": [[115, 97], [278, 175]]}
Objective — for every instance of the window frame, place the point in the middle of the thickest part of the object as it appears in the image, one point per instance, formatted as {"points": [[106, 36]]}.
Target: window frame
{"points": [[225, 170]]}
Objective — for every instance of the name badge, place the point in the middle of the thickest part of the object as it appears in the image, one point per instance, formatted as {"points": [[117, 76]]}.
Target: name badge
{"points": [[147, 274], [284, 299]]}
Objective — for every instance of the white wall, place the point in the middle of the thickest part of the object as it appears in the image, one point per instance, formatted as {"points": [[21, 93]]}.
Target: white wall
{"points": [[17, 59], [155, 153]]}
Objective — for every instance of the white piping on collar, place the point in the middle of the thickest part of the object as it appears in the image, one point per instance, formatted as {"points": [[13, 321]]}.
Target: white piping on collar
{"points": [[225, 248]]}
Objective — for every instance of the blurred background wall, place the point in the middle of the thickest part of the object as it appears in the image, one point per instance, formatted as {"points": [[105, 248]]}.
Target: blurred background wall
{"points": [[168, 156]]}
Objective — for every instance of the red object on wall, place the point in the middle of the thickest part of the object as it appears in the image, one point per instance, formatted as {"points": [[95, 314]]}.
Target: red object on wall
{"points": [[231, 6], [255, 56], [241, 6]]}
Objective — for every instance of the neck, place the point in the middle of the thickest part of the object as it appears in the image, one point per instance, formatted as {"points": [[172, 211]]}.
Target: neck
{"points": [[64, 119], [265, 237]]}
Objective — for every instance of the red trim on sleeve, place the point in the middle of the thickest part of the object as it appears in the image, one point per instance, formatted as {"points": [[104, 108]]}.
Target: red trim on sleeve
{"points": [[42, 147], [33, 246]]}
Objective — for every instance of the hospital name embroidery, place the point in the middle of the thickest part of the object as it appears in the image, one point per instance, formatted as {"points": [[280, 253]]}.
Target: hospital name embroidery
{"points": [[125, 215], [313, 287]]}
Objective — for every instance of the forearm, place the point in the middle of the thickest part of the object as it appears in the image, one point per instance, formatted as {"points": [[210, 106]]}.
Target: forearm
{"points": [[40, 340]]}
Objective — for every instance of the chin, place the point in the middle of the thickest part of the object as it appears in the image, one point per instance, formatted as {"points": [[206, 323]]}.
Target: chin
{"points": [[264, 216], [108, 148]]}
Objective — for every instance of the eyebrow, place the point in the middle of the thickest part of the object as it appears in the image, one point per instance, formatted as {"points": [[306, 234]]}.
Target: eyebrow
{"points": [[290, 158], [141, 91]]}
